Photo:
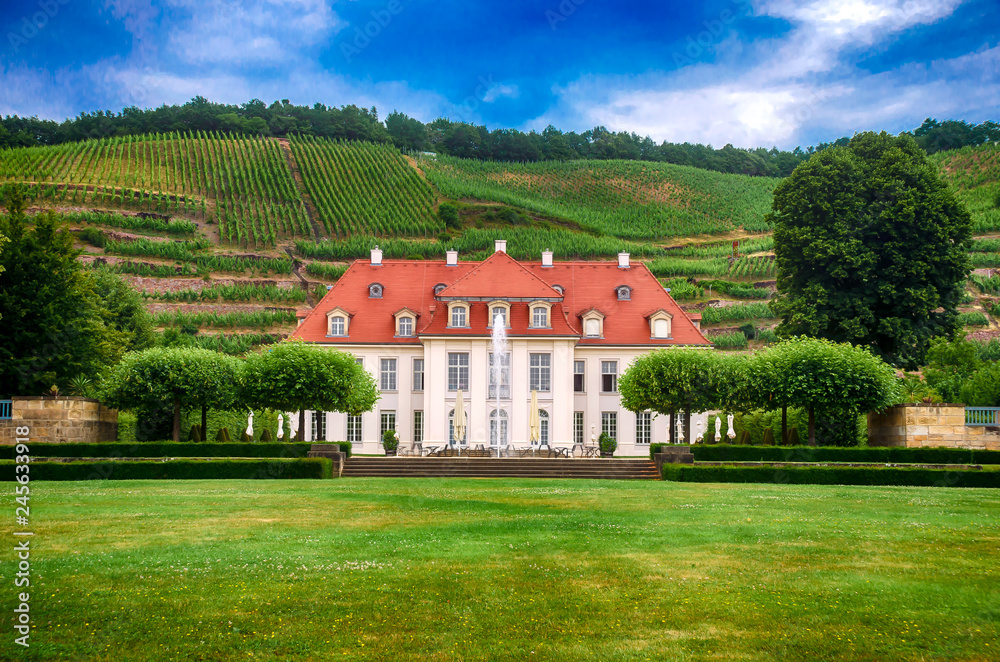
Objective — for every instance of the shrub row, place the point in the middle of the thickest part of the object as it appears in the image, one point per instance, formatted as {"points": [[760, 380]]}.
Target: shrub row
{"points": [[832, 476], [313, 467], [728, 453], [165, 449]]}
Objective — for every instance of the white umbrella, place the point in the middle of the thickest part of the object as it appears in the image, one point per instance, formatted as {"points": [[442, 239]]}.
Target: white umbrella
{"points": [[731, 433], [459, 417], [718, 429], [680, 431], [699, 432], [293, 426], [281, 426], [534, 421], [250, 425]]}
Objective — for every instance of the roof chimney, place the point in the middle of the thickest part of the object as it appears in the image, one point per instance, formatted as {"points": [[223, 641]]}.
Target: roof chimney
{"points": [[623, 260], [546, 258], [376, 256], [452, 258], [500, 245]]}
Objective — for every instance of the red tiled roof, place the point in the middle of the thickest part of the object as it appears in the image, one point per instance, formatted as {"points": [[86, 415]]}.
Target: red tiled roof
{"points": [[587, 285]]}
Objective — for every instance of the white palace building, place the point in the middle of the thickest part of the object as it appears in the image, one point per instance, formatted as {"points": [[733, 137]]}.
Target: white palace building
{"points": [[423, 329]]}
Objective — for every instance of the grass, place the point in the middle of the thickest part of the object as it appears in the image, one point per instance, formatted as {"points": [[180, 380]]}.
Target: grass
{"points": [[465, 569]]}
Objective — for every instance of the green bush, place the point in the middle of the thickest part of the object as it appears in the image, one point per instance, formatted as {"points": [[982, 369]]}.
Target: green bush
{"points": [[731, 340], [163, 449], [654, 449], [973, 319], [313, 467], [881, 454], [832, 476], [390, 440], [94, 237], [606, 443], [345, 447]]}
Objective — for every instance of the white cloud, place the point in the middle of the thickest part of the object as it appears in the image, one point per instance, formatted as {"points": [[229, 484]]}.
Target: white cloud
{"points": [[793, 83]]}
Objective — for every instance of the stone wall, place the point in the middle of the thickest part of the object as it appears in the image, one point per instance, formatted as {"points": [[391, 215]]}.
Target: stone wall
{"points": [[60, 420], [929, 426]]}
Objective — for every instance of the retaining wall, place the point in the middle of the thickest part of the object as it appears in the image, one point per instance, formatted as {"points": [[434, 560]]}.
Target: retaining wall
{"points": [[60, 420], [935, 425]]}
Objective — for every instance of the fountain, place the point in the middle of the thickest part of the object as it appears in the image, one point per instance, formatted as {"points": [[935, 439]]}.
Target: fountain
{"points": [[498, 346]]}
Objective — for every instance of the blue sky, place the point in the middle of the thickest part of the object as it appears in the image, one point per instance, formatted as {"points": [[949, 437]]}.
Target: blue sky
{"points": [[747, 72]]}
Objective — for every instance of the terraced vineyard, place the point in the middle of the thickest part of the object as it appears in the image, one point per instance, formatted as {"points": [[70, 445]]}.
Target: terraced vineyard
{"points": [[364, 188], [974, 174], [243, 184], [626, 199]]}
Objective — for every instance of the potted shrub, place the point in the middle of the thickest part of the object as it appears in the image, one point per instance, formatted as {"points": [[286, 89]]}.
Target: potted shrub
{"points": [[390, 442], [607, 445]]}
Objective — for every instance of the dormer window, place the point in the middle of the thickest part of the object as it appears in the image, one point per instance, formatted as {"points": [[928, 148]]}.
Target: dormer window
{"points": [[592, 328], [540, 311], [375, 291], [438, 288], [660, 325], [501, 308], [338, 326], [405, 326], [458, 314], [624, 292], [559, 288], [593, 323]]}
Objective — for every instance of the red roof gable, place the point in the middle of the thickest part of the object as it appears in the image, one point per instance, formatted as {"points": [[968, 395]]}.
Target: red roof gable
{"points": [[586, 285], [499, 277]]}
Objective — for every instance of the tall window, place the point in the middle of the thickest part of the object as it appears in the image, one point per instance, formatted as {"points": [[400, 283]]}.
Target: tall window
{"points": [[498, 437], [354, 429], [388, 375], [337, 326], [539, 316], [451, 430], [458, 316], [543, 427], [319, 426], [418, 374], [609, 424], [578, 427], [643, 427], [388, 422], [405, 326], [458, 371], [540, 372], [579, 368], [418, 426], [504, 376], [609, 376], [501, 311]]}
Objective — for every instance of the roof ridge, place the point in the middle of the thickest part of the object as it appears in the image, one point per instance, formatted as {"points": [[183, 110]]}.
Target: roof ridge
{"points": [[487, 261]]}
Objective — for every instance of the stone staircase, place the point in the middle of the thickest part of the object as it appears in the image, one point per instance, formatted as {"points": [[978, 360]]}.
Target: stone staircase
{"points": [[471, 467]]}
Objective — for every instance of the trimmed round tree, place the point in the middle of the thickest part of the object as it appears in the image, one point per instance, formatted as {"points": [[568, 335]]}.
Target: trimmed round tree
{"points": [[669, 381], [295, 376], [181, 376], [871, 248], [818, 374]]}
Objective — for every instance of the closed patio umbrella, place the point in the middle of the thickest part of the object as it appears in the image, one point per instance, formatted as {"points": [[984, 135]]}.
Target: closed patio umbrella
{"points": [[281, 426], [459, 418], [534, 423], [718, 429]]}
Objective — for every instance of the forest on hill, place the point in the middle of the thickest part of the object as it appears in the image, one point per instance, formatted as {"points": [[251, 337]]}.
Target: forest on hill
{"points": [[445, 136]]}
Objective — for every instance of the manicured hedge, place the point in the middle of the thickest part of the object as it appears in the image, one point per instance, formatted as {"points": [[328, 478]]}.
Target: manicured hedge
{"points": [[162, 449], [314, 467], [654, 449], [727, 453], [831, 476]]}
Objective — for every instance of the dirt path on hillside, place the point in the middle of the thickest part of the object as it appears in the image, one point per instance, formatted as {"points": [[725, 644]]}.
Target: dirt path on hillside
{"points": [[293, 166]]}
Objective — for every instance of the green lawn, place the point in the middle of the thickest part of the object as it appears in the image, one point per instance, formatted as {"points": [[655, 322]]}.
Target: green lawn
{"points": [[465, 569]]}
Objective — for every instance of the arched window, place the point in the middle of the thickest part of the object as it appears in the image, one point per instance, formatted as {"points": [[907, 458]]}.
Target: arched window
{"points": [[375, 291], [661, 328], [593, 328], [539, 317], [405, 326], [501, 311], [498, 437], [543, 427], [438, 288], [451, 430]]}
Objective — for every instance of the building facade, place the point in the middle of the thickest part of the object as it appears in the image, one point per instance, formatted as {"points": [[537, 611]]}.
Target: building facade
{"points": [[424, 328]]}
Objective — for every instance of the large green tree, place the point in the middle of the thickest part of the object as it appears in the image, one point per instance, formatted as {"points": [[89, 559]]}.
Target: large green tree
{"points": [[182, 377], [871, 248], [295, 376]]}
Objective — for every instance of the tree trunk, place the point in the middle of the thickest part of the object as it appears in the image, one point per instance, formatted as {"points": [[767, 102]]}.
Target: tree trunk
{"points": [[812, 426], [302, 426], [177, 419], [204, 422], [687, 428], [784, 425], [670, 430]]}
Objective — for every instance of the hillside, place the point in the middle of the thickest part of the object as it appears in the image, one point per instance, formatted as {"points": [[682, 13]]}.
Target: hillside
{"points": [[228, 237]]}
